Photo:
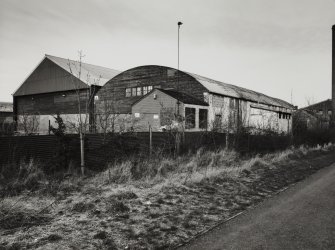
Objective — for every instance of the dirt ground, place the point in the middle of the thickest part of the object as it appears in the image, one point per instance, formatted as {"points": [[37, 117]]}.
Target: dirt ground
{"points": [[143, 215]]}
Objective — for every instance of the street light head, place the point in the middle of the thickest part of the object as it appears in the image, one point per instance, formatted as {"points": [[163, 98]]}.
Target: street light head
{"points": [[180, 23]]}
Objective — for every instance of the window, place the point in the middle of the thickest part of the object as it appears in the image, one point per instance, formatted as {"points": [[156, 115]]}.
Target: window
{"points": [[279, 115], [133, 91], [206, 97], [128, 92], [203, 118], [139, 91], [149, 88], [145, 90], [190, 118]]}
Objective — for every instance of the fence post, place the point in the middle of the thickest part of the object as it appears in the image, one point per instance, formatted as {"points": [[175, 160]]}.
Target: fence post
{"points": [[150, 140], [82, 151], [227, 139]]}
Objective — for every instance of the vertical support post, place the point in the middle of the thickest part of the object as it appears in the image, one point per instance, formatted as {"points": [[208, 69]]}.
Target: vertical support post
{"points": [[82, 157], [333, 75], [15, 113], [49, 127], [150, 140]]}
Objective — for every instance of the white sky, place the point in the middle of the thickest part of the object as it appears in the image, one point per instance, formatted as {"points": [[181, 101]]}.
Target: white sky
{"points": [[269, 46]]}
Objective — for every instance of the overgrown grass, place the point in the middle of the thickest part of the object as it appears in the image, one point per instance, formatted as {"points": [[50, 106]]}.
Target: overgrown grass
{"points": [[203, 165], [151, 204]]}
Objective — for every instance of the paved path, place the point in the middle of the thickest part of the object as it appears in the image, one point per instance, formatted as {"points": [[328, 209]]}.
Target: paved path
{"points": [[302, 217]]}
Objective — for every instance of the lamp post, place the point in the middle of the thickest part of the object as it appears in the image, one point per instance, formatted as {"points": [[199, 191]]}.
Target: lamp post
{"points": [[179, 24], [178, 103]]}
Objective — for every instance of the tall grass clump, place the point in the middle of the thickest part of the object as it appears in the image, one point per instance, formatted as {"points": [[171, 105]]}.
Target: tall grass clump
{"points": [[27, 175], [199, 166]]}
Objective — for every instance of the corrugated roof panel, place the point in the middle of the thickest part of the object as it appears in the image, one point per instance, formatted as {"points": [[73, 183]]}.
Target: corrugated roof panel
{"points": [[327, 104], [97, 75], [238, 92], [45, 79]]}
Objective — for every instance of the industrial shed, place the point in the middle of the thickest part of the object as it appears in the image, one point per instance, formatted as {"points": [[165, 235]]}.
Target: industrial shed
{"points": [[314, 116], [58, 85], [6, 117], [229, 107]]}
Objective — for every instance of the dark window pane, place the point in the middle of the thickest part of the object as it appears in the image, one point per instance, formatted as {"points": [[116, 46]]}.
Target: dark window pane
{"points": [[190, 117], [203, 118]]}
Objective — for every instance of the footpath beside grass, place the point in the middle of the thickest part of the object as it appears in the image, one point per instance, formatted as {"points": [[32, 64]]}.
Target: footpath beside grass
{"points": [[157, 204]]}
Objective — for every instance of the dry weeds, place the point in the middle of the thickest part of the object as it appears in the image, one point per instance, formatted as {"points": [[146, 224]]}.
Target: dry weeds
{"points": [[156, 204]]}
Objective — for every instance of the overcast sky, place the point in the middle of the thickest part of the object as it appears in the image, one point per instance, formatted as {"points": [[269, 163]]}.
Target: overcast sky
{"points": [[274, 47]]}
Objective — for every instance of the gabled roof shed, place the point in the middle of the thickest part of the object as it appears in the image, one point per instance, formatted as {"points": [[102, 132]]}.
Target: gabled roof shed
{"points": [[54, 74]]}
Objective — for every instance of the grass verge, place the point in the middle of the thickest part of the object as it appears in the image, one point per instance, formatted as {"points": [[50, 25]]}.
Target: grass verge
{"points": [[154, 204]]}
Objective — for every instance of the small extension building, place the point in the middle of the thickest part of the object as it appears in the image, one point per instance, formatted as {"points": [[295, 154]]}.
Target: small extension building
{"points": [[6, 117], [160, 109], [58, 86], [6, 112], [158, 96], [315, 116]]}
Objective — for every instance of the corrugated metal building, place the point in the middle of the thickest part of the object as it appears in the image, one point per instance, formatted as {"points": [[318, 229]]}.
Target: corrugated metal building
{"points": [[6, 117], [58, 85], [319, 115], [228, 106], [6, 112]]}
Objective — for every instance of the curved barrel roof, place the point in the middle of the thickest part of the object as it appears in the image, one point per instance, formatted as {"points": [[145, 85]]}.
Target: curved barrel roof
{"points": [[238, 92]]}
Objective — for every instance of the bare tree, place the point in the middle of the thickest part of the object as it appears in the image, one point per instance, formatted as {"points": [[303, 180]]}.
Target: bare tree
{"points": [[28, 123], [106, 118], [85, 97]]}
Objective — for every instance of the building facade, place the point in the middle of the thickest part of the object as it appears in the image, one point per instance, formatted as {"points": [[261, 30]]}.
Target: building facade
{"points": [[228, 107], [58, 86]]}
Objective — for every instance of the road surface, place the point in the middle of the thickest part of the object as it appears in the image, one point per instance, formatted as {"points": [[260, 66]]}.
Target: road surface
{"points": [[301, 217]]}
